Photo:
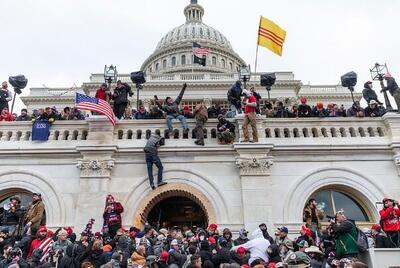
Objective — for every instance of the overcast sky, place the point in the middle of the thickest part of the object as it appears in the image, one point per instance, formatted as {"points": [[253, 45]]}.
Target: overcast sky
{"points": [[61, 42]]}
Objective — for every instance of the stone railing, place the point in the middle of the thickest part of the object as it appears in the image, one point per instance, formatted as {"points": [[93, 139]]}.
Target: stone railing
{"points": [[269, 129], [228, 77], [60, 131]]}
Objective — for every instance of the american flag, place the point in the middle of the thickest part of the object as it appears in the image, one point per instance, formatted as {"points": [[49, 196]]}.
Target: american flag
{"points": [[46, 246], [200, 51], [84, 102]]}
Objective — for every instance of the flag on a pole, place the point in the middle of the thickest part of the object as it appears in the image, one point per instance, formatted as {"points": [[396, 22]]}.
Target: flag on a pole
{"points": [[200, 51], [198, 60], [87, 103], [271, 36]]}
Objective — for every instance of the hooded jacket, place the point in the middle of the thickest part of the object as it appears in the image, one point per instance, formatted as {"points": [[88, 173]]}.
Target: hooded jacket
{"points": [[257, 246], [369, 94], [234, 94]]}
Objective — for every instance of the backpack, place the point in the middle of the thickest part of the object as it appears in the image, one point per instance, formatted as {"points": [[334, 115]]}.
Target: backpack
{"points": [[362, 240]]}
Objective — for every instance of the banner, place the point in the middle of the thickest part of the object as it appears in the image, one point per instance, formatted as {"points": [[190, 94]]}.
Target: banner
{"points": [[40, 130]]}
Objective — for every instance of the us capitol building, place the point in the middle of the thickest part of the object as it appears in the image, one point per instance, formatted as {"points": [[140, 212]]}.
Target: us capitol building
{"points": [[345, 163]]}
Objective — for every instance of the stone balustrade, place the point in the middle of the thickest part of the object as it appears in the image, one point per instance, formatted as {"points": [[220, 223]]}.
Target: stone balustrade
{"points": [[269, 129]]}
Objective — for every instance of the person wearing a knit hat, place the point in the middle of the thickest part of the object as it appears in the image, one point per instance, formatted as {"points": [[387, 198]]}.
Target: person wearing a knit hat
{"points": [[319, 110], [213, 230], [240, 256], [250, 117], [304, 108], [242, 237]]}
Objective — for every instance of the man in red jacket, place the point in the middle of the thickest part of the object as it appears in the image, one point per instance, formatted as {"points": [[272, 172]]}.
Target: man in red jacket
{"points": [[250, 117], [101, 92], [41, 235], [390, 215]]}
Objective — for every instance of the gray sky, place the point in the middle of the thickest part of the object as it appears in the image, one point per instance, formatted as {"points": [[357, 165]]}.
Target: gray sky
{"points": [[61, 42]]}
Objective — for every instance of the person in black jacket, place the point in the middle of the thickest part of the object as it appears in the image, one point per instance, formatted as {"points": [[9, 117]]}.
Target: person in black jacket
{"points": [[223, 254], [304, 108], [381, 239], [240, 256], [24, 116], [226, 130], [120, 98], [5, 96], [393, 88], [369, 94], [175, 255], [264, 230], [205, 252], [234, 99]]}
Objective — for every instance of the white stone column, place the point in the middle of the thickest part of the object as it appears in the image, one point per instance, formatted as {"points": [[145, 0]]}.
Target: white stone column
{"points": [[254, 163], [95, 168]]}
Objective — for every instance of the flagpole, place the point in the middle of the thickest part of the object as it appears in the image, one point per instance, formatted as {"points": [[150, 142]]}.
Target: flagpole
{"points": [[258, 40]]}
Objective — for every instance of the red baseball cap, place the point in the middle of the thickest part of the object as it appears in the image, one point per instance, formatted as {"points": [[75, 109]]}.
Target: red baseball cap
{"points": [[241, 250]]}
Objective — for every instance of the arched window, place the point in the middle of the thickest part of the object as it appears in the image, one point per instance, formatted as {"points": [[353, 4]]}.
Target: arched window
{"points": [[173, 61], [183, 59], [157, 66], [214, 60], [230, 66], [164, 64], [332, 201], [151, 69], [223, 64]]}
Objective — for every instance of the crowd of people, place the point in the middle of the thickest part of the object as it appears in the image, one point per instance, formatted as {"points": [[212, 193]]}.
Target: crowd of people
{"points": [[25, 242]]}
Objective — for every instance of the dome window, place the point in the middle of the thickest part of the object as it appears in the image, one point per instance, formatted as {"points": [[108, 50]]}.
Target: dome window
{"points": [[201, 31], [183, 60], [214, 60], [208, 33], [223, 64], [157, 66], [173, 61], [164, 64], [231, 66], [193, 31]]}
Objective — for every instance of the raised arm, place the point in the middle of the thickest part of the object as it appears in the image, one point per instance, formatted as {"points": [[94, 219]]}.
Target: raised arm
{"points": [[180, 96]]}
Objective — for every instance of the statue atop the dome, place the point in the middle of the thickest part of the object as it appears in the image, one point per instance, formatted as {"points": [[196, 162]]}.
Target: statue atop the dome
{"points": [[193, 2]]}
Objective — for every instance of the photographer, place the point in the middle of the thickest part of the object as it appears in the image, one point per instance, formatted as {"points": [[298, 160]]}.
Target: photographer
{"points": [[345, 234], [14, 259], [390, 215], [151, 154], [120, 98]]}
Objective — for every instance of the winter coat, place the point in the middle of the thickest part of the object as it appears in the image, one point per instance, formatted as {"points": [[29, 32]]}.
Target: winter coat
{"points": [[240, 241], [241, 261], [381, 241], [97, 258], [173, 109], [205, 255], [391, 85], [257, 246], [101, 94], [304, 110], [24, 118], [113, 217], [319, 113], [69, 260], [152, 144], [61, 245], [176, 258], [200, 112], [11, 216], [234, 94], [390, 218], [346, 238], [308, 216], [369, 94], [223, 256], [138, 259], [34, 213], [5, 97], [281, 113], [225, 124], [121, 93], [140, 116]]}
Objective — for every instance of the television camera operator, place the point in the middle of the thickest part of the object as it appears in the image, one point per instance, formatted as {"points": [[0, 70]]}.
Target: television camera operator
{"points": [[344, 232]]}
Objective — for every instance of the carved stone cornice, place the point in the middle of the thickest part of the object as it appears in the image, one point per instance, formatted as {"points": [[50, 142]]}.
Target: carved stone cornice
{"points": [[254, 166], [95, 168]]}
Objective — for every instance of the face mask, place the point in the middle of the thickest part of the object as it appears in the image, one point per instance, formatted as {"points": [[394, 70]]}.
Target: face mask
{"points": [[201, 237]]}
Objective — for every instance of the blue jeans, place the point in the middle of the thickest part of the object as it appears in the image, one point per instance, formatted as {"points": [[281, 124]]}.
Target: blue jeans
{"points": [[180, 117], [150, 160]]}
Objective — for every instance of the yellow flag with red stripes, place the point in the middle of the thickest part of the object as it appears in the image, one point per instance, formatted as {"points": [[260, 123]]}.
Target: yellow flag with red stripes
{"points": [[271, 36]]}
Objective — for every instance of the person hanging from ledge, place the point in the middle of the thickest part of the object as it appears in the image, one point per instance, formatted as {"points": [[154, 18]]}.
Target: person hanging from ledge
{"points": [[171, 108], [112, 216], [250, 117], [151, 156]]}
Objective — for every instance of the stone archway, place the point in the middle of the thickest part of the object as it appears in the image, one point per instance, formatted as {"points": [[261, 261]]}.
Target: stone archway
{"points": [[171, 190], [358, 185]]}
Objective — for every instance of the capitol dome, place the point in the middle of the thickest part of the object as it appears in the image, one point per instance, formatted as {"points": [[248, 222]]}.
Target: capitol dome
{"points": [[173, 53]]}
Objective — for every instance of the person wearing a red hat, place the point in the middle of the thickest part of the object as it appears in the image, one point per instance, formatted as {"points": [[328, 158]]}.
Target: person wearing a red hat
{"points": [[390, 215], [163, 260], [41, 236], [213, 230], [380, 238], [240, 256], [112, 216], [319, 110], [305, 235], [186, 112], [304, 108]]}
